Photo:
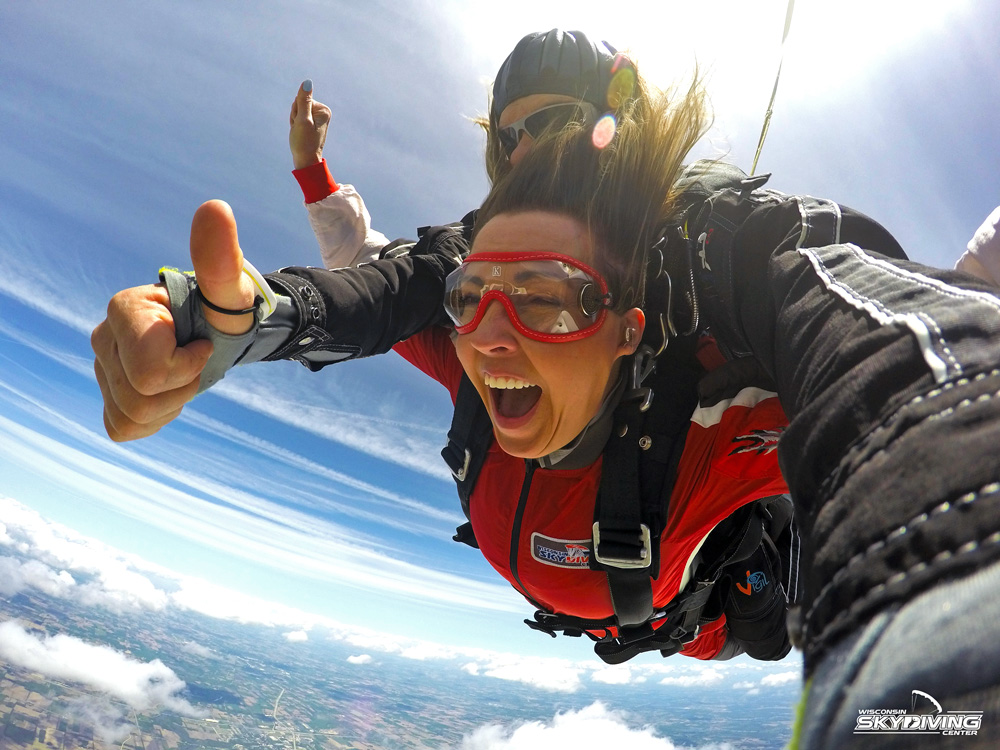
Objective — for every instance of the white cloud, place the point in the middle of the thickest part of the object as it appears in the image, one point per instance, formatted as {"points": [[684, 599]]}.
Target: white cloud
{"points": [[196, 649], [110, 722], [743, 685], [107, 578], [704, 677], [556, 675], [619, 674], [781, 678], [594, 726], [296, 636], [359, 659], [226, 604], [423, 651], [142, 685], [16, 576]]}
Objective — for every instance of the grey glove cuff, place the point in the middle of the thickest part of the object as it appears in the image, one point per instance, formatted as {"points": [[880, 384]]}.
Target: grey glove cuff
{"points": [[190, 325]]}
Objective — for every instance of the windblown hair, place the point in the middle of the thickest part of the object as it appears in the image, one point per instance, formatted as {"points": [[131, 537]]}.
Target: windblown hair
{"points": [[623, 193]]}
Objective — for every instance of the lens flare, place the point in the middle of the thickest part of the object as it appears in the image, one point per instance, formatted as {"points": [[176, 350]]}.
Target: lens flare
{"points": [[604, 130], [622, 82]]}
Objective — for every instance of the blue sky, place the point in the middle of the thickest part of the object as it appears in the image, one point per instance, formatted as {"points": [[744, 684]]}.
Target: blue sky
{"points": [[118, 119]]}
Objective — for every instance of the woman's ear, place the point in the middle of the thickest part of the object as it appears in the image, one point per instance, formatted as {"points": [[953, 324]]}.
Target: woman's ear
{"points": [[633, 325]]}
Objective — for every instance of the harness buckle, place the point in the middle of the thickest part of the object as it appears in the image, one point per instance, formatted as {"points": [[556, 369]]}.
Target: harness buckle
{"points": [[644, 550], [464, 471], [643, 364]]}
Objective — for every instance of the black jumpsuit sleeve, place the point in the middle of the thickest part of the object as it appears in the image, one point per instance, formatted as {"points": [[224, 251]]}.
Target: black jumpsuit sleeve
{"points": [[348, 313]]}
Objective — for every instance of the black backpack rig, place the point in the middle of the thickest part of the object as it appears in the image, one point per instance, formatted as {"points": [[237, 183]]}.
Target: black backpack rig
{"points": [[641, 457]]}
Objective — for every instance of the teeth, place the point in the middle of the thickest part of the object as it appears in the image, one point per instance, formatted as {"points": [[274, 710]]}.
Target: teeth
{"points": [[506, 383]]}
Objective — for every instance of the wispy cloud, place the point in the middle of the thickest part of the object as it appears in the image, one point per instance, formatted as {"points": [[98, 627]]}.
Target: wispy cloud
{"points": [[405, 444], [79, 308], [369, 492], [243, 524]]}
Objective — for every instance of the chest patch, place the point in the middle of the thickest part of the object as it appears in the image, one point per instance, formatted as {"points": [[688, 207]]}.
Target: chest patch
{"points": [[562, 553]]}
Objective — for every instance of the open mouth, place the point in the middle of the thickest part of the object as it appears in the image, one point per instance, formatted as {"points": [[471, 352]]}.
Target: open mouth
{"points": [[512, 398]]}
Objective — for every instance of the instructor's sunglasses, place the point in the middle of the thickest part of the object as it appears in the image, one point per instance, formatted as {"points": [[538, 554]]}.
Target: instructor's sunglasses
{"points": [[554, 116], [548, 296]]}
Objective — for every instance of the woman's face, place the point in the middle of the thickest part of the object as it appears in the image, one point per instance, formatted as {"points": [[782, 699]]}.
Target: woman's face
{"points": [[522, 108], [540, 395]]}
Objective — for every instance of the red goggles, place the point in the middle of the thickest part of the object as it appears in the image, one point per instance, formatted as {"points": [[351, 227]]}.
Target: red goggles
{"points": [[548, 296]]}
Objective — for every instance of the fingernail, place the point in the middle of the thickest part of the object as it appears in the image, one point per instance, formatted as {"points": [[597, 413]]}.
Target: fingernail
{"points": [[307, 85]]}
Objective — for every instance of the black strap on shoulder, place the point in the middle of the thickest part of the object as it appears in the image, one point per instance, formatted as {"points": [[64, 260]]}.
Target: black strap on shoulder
{"points": [[698, 254], [468, 441], [640, 462]]}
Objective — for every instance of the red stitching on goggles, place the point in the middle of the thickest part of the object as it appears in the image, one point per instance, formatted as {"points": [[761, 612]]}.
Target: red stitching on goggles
{"points": [[548, 296]]}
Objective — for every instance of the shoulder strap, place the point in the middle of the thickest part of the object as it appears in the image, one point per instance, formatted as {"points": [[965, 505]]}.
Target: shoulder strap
{"points": [[698, 252], [640, 462], [468, 440]]}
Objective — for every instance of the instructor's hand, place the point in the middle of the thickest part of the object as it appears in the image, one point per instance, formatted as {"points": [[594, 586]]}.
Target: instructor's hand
{"points": [[145, 378], [308, 122]]}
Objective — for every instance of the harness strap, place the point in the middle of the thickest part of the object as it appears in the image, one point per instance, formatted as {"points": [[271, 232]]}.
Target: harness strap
{"points": [[468, 441]]}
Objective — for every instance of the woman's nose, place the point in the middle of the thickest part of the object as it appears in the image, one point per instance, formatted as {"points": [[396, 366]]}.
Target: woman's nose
{"points": [[495, 332]]}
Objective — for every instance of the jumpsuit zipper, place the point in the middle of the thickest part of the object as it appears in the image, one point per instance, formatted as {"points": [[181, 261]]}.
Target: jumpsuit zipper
{"points": [[515, 534]]}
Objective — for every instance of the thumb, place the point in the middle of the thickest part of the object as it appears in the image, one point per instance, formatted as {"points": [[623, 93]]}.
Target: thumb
{"points": [[218, 266]]}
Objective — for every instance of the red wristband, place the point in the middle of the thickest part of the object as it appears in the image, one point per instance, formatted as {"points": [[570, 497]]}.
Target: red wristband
{"points": [[316, 181]]}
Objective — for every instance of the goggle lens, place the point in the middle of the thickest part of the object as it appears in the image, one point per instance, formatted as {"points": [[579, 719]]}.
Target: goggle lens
{"points": [[548, 296]]}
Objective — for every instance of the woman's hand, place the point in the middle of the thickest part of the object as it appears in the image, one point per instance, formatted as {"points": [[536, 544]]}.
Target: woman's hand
{"points": [[145, 378], [308, 122]]}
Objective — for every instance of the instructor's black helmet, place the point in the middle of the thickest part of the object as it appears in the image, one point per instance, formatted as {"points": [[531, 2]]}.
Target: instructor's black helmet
{"points": [[555, 62]]}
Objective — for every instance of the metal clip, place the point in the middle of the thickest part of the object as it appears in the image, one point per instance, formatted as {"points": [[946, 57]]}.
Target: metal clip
{"points": [[626, 563], [643, 364], [464, 471]]}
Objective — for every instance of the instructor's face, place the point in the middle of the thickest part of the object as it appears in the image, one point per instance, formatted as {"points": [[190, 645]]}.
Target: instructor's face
{"points": [[523, 107], [540, 395]]}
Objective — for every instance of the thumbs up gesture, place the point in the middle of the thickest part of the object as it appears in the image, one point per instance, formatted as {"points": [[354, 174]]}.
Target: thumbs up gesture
{"points": [[145, 378]]}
